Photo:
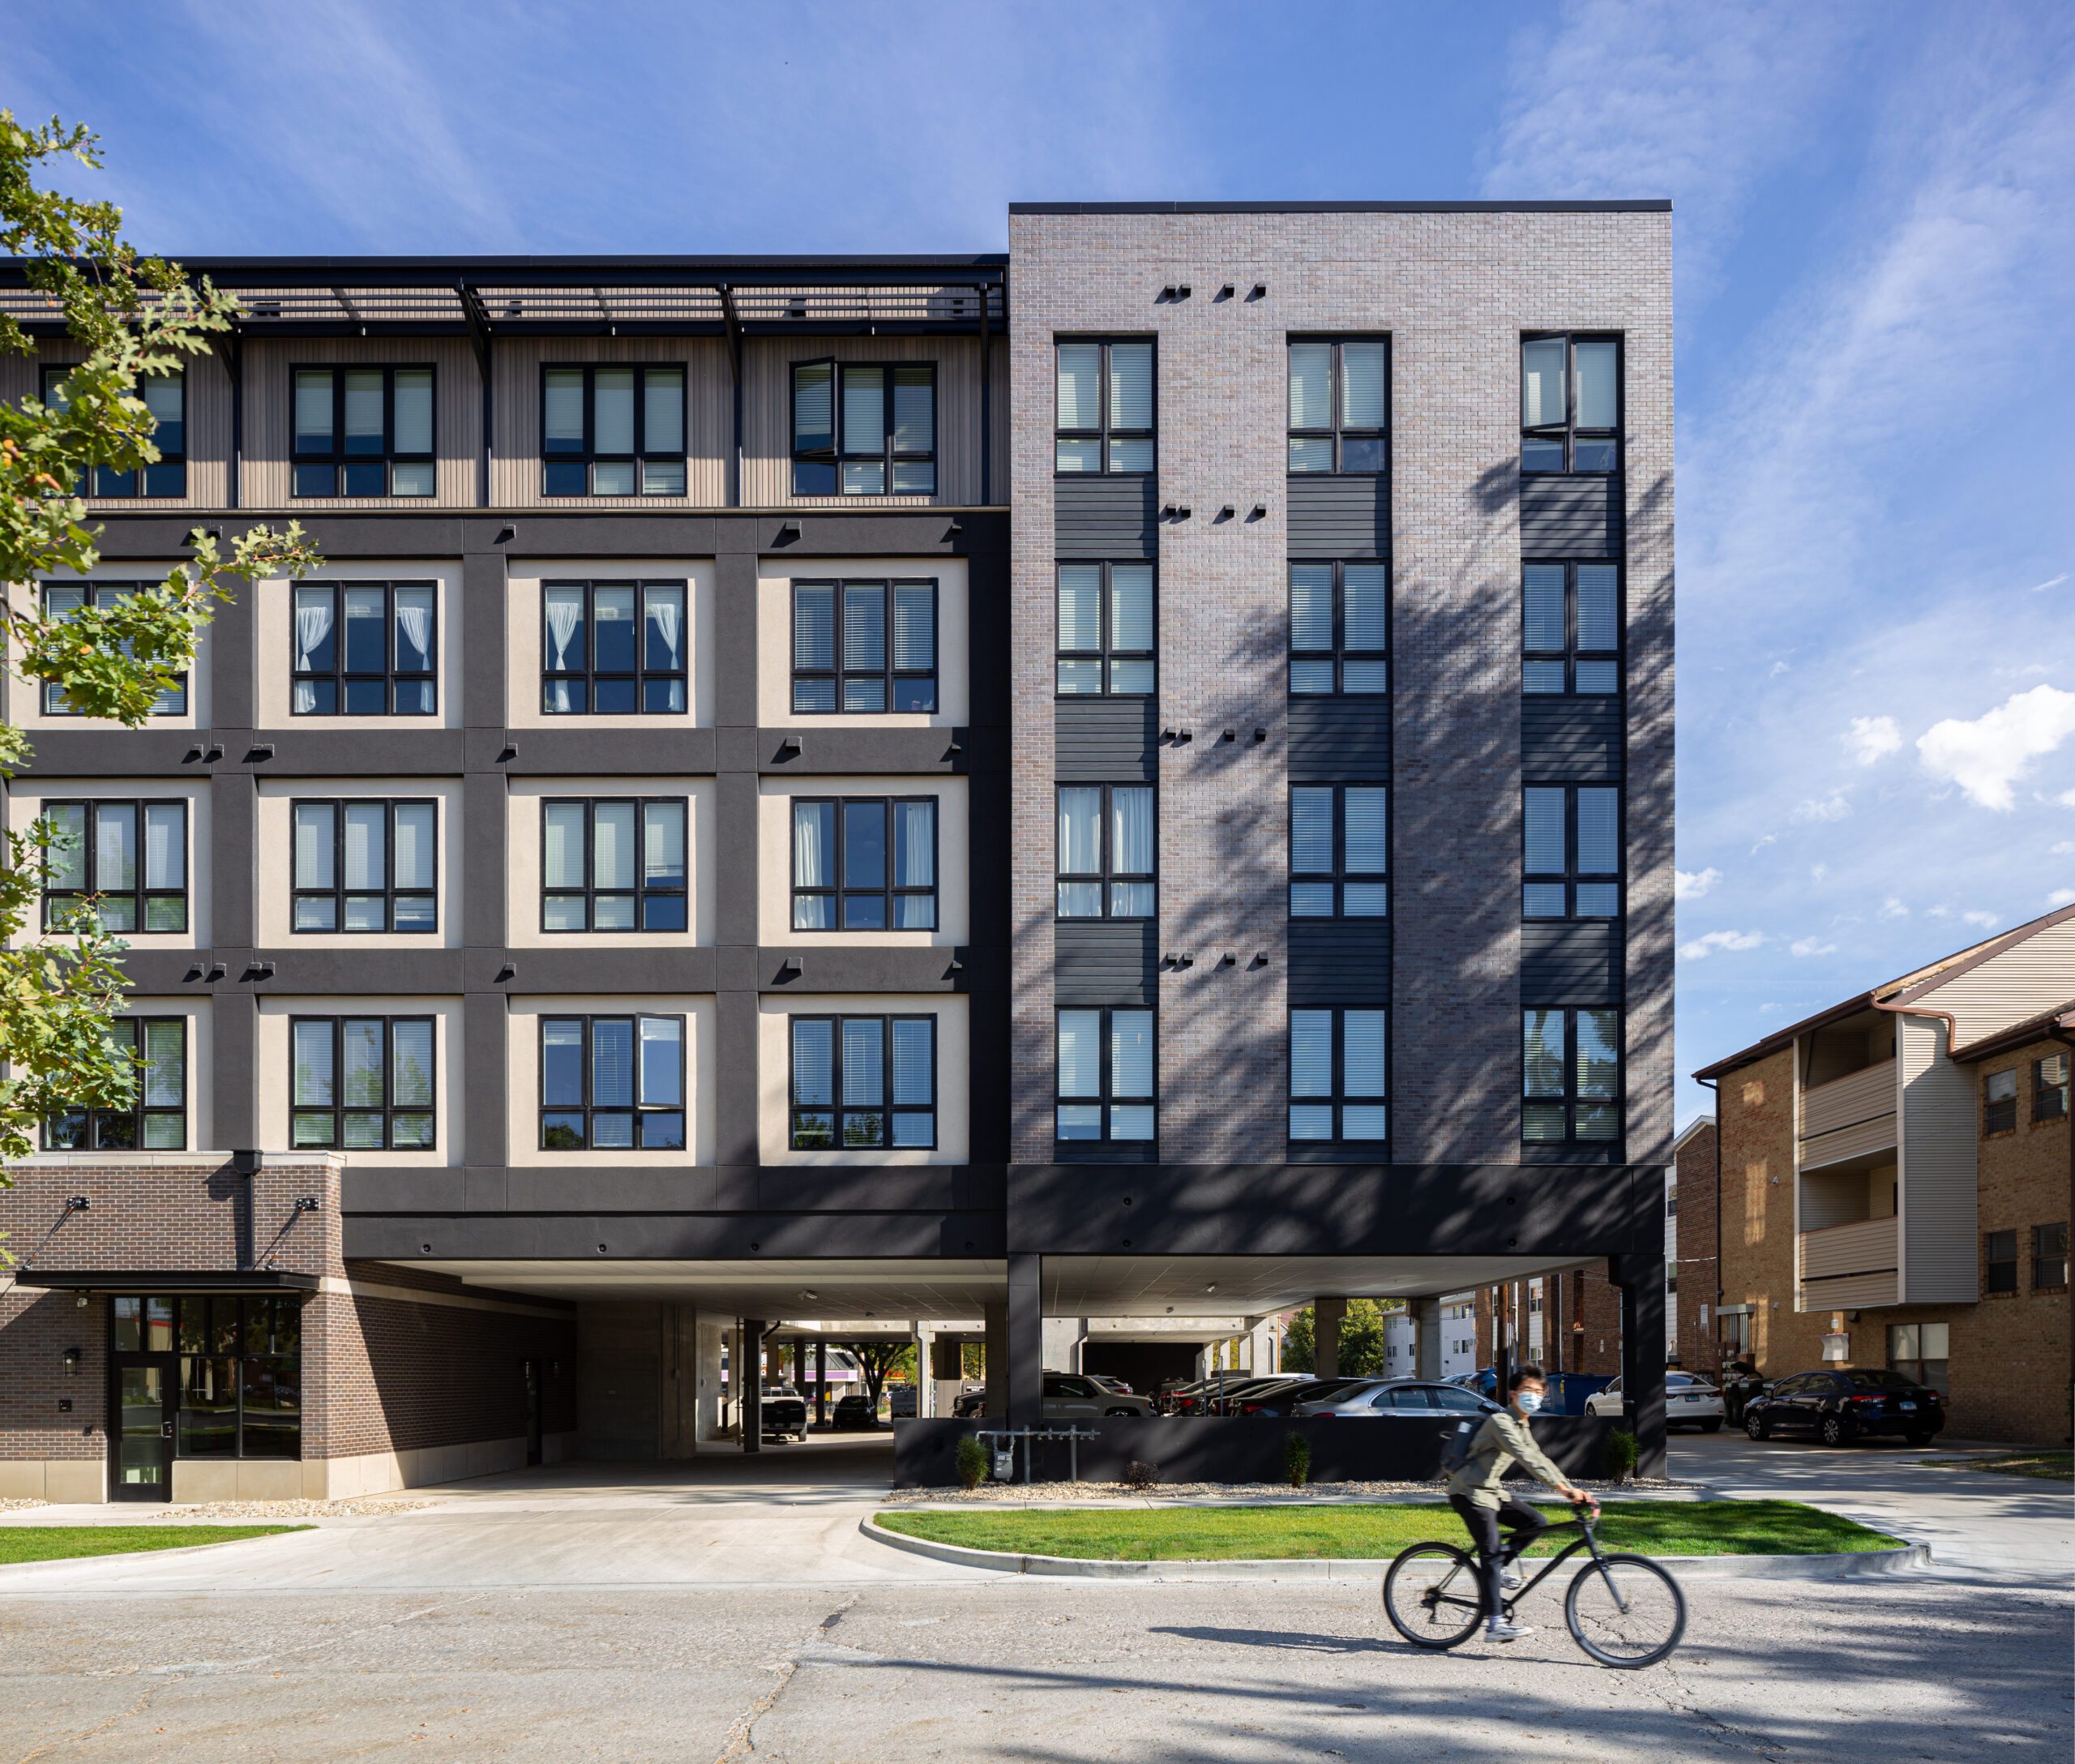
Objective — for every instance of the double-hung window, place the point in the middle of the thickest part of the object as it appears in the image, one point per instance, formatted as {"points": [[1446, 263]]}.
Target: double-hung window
{"points": [[1339, 404], [1339, 850], [1340, 626], [1570, 404], [1999, 1260], [1570, 628], [1106, 1076], [611, 431], [864, 647], [165, 396], [364, 431], [384, 661], [863, 1083], [1921, 1352], [156, 1117], [865, 863], [1106, 641], [125, 863], [2050, 1088], [1999, 1107], [1338, 1075], [1572, 862], [1105, 407], [863, 429], [613, 649], [2049, 1258], [366, 866], [1572, 1065], [613, 864], [612, 1083], [361, 1083], [1108, 857], [61, 599]]}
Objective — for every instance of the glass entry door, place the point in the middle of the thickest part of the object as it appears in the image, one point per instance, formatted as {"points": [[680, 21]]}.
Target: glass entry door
{"points": [[142, 1440]]}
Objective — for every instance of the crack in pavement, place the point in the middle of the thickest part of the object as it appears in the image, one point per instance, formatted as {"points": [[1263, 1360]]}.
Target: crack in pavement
{"points": [[742, 1741]]}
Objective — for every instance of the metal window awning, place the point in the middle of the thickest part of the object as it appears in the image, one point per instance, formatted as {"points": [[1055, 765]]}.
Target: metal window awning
{"points": [[181, 1280]]}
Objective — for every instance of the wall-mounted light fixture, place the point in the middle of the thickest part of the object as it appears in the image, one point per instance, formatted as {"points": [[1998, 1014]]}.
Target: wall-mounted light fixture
{"points": [[72, 1361], [509, 971], [1260, 293], [1224, 292], [1260, 732], [306, 1203], [792, 744], [77, 1203], [258, 751]]}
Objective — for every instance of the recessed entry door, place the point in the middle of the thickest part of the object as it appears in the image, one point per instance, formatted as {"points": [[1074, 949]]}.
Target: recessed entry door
{"points": [[141, 1441]]}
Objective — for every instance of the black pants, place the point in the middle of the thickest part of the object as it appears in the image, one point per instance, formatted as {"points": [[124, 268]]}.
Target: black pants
{"points": [[1523, 1526]]}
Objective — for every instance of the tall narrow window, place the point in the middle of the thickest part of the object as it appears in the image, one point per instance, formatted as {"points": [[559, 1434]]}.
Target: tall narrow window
{"points": [[381, 662], [1999, 1258], [2049, 1258], [864, 429], [1999, 1108], [1338, 1075], [164, 395], [1106, 640], [1572, 862], [1340, 625], [612, 1084], [1339, 850], [156, 1117], [1570, 404], [1105, 407], [1339, 404], [863, 1083], [866, 648], [1108, 851], [612, 865], [361, 1083], [1570, 628], [865, 863], [366, 866], [61, 599], [363, 431], [1106, 1076], [2050, 1088], [611, 431], [613, 649], [124, 862], [1573, 1063]]}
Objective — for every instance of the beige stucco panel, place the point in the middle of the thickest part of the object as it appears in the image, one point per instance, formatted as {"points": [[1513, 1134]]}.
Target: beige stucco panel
{"points": [[775, 861], [273, 855], [522, 637], [274, 620], [450, 1105], [775, 577], [953, 1069], [26, 796], [25, 698], [523, 1069], [522, 862]]}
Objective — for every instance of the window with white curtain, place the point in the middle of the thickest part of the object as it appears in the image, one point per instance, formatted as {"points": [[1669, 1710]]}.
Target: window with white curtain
{"points": [[865, 647], [1570, 404], [1339, 404], [1339, 629], [613, 863], [865, 863], [613, 430], [156, 1117], [1107, 1076], [365, 864], [612, 1083], [1339, 850], [164, 395], [1104, 403], [1339, 1074], [61, 599], [1106, 630], [863, 1083], [125, 862], [864, 429], [361, 1083], [1108, 851], [1573, 1083], [614, 649], [1572, 851], [363, 431], [1570, 628], [365, 648]]}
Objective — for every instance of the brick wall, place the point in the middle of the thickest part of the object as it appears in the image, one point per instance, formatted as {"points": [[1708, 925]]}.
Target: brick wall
{"points": [[1699, 1272]]}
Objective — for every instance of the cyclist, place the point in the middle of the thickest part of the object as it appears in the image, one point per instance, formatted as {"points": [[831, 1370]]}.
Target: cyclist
{"points": [[1474, 1492]]}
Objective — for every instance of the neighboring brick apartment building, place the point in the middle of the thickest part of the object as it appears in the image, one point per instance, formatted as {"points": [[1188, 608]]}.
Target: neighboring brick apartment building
{"points": [[1003, 786], [1897, 1185]]}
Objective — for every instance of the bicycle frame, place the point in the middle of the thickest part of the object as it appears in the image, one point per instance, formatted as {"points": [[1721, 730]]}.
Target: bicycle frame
{"points": [[1587, 1541]]}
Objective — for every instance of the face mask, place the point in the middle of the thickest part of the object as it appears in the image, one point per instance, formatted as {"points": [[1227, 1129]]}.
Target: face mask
{"points": [[1530, 1402]]}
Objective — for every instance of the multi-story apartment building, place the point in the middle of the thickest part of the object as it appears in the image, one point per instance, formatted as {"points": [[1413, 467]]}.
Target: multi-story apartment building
{"points": [[1051, 785]]}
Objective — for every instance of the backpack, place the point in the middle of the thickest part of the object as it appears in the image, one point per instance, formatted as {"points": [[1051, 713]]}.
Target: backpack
{"points": [[1455, 1445]]}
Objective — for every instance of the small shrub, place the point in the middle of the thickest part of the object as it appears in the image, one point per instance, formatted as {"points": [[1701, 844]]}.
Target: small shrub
{"points": [[1297, 1459], [973, 1460], [1621, 1452], [1142, 1475]]}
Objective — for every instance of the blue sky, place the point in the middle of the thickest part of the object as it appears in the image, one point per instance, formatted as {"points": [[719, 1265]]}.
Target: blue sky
{"points": [[1875, 241]]}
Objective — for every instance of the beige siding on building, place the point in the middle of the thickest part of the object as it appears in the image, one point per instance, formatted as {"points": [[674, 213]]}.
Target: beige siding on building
{"points": [[1848, 1101], [1940, 1261], [1856, 1141], [2023, 982], [208, 423]]}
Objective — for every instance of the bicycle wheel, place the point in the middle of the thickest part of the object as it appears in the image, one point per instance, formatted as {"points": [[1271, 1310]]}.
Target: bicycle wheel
{"points": [[1430, 1595], [1625, 1610]]}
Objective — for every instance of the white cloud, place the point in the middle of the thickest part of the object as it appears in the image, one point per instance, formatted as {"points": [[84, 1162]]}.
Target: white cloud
{"points": [[1780, 668], [1701, 947], [2066, 799], [2040, 588], [1819, 870], [1985, 757], [1770, 839], [2066, 849], [1686, 885], [1892, 908], [1810, 946], [1987, 921], [1873, 737], [1831, 808], [2060, 897]]}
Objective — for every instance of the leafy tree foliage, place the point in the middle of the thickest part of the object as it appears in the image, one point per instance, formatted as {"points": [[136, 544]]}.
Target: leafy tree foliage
{"points": [[1361, 1338]]}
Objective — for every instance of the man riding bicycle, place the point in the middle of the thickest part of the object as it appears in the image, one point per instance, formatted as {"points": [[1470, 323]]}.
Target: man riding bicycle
{"points": [[1475, 1492]]}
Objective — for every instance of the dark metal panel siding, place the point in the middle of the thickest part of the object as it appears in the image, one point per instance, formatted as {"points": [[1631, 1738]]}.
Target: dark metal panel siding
{"points": [[1570, 517], [1340, 962], [1571, 740], [1340, 517], [1103, 740], [1340, 740], [1571, 964], [1104, 517], [1105, 962]]}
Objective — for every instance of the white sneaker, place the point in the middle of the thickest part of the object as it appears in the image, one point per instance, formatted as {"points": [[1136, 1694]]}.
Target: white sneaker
{"points": [[1500, 1631], [1512, 1578]]}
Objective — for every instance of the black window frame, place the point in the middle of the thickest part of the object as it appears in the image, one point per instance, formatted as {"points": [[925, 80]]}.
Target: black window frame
{"points": [[1108, 653], [839, 674], [2050, 1087], [166, 481], [1999, 1253], [1341, 1097], [340, 676], [141, 1111], [1339, 430], [1998, 1115], [244, 1333], [1572, 656], [1572, 877], [2049, 1258], [337, 460], [839, 1110], [1572, 1099], [637, 1112], [50, 698], [388, 892], [1340, 876], [588, 677], [1340, 652], [641, 892], [840, 452], [1568, 432], [1108, 875], [1106, 432], [1106, 1099], [841, 891], [587, 459], [389, 1108], [54, 915]]}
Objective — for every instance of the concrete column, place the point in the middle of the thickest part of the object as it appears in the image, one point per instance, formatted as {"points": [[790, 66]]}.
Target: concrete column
{"points": [[1326, 1315], [1261, 1352], [1026, 1342], [1426, 1314], [1641, 1281], [994, 1368], [821, 1384], [923, 1337], [751, 1376]]}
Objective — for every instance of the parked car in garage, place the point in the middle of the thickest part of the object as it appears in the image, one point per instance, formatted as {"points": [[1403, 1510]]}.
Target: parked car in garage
{"points": [[1117, 1385], [1399, 1398], [1688, 1402], [1069, 1397], [900, 1403], [968, 1405], [852, 1414], [1837, 1408], [784, 1412], [1282, 1399]]}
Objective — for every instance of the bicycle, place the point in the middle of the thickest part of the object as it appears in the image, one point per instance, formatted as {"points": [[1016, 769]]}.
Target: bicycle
{"points": [[1625, 1611]]}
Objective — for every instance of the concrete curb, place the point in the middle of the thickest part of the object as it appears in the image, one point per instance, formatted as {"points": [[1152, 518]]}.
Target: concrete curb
{"points": [[1843, 1566]]}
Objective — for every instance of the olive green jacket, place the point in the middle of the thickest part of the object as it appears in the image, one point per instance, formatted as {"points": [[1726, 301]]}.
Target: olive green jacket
{"points": [[1500, 1442]]}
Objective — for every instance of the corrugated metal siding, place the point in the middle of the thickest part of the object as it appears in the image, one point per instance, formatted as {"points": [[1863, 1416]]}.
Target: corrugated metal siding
{"points": [[2023, 981], [1571, 964], [1938, 1174], [209, 422], [1847, 1101], [1102, 961], [1339, 517], [1822, 1150], [1570, 517], [1340, 962], [1104, 517], [1103, 740], [515, 477], [1571, 740], [1340, 740]]}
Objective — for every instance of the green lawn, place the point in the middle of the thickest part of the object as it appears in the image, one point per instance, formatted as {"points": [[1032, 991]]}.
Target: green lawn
{"points": [[49, 1542], [2054, 1466], [1211, 1533]]}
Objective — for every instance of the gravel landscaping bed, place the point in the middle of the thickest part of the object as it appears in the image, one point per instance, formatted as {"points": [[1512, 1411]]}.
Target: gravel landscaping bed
{"points": [[359, 1507], [21, 1503], [1053, 1492]]}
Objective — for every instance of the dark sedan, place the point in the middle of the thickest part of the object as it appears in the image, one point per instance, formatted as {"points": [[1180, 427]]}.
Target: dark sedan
{"points": [[854, 1414], [1837, 1408], [1283, 1399]]}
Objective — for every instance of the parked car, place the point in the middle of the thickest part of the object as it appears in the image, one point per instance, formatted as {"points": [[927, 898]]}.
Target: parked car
{"points": [[1069, 1397], [1688, 1402], [1400, 1398], [1484, 1381], [1226, 1398], [852, 1414], [901, 1404], [1282, 1399], [1117, 1385], [1837, 1408], [968, 1405], [784, 1412]]}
